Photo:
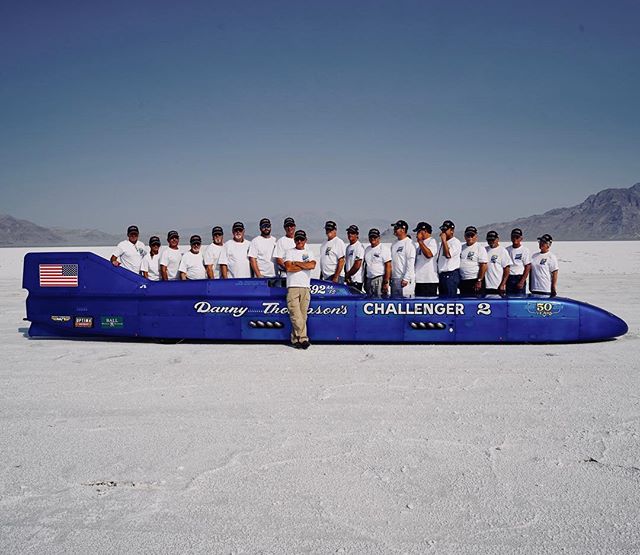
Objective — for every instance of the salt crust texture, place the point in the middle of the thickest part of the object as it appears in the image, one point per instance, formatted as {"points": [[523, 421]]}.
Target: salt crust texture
{"points": [[133, 447]]}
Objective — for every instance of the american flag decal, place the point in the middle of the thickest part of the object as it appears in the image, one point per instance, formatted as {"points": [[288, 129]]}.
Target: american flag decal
{"points": [[58, 275]]}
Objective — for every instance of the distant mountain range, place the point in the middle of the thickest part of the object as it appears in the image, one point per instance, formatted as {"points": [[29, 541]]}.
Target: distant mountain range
{"points": [[612, 214], [23, 233]]}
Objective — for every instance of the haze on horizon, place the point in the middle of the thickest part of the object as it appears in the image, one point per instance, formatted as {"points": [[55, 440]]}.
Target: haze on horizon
{"points": [[188, 114]]}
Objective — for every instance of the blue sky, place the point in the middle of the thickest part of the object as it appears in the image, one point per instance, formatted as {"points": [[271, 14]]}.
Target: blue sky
{"points": [[180, 115]]}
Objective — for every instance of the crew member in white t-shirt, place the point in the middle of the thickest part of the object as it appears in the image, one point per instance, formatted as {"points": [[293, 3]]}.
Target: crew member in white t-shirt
{"points": [[354, 258], [170, 258], [192, 263], [332, 253], [261, 251], [426, 268], [283, 244], [299, 262], [377, 262], [498, 265], [234, 259], [473, 263], [129, 253], [520, 264], [544, 269], [403, 262], [448, 260], [150, 267], [212, 253]]}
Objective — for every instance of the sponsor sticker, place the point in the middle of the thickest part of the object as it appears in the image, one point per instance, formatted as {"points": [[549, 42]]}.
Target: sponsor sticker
{"points": [[544, 308], [111, 322], [83, 322], [61, 318]]}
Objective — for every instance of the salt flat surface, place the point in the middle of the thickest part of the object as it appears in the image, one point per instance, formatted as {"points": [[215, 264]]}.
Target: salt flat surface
{"points": [[113, 447]]}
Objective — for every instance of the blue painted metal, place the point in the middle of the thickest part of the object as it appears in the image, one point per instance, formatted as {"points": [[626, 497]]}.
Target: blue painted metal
{"points": [[115, 302]]}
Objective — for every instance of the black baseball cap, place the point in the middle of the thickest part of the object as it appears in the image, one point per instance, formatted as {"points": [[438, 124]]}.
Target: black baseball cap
{"points": [[154, 240], [353, 229], [492, 234], [471, 229], [173, 233], [265, 222], [423, 226], [516, 232], [400, 224], [374, 232], [330, 225], [237, 226], [195, 239], [300, 234], [217, 230], [546, 238], [447, 224], [132, 229], [289, 222]]}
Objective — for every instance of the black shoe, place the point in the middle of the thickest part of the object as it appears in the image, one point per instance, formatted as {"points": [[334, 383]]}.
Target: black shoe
{"points": [[304, 345], [296, 345]]}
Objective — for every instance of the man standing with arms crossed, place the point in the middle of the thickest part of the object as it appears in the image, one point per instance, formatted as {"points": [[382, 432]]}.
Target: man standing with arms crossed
{"points": [[426, 269], [448, 260], [354, 259], [298, 263]]}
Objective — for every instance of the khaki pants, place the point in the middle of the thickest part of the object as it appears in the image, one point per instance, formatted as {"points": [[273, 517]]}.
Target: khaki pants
{"points": [[298, 299]]}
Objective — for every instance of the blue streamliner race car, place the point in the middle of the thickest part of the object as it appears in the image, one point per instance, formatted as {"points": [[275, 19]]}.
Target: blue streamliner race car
{"points": [[80, 294]]}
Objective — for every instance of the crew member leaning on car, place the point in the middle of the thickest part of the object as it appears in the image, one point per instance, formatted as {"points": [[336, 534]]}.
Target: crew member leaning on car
{"points": [[129, 253], [544, 269]]}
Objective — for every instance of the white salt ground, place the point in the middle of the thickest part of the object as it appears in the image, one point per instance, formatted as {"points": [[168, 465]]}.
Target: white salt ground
{"points": [[114, 447]]}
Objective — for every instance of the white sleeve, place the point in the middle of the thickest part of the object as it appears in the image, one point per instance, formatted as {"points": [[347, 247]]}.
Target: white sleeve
{"points": [[208, 259], [144, 266], [340, 249], [224, 259], [163, 258], [411, 262], [526, 256], [253, 250], [506, 259], [385, 253], [359, 252], [554, 266], [183, 265], [118, 251], [482, 255], [455, 249]]}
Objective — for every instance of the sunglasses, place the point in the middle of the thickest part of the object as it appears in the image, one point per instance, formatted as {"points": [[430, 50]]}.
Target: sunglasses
{"points": [[469, 234]]}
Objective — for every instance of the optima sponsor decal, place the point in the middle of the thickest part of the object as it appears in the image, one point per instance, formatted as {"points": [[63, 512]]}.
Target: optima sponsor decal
{"points": [[413, 309], [83, 322]]}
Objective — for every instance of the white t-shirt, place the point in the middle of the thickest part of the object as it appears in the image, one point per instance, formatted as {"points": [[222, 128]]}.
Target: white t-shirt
{"points": [[403, 260], [234, 255], [542, 266], [449, 264], [354, 252], [497, 260], [261, 248], [151, 265], [330, 253], [130, 255], [303, 277], [282, 246], [211, 257], [520, 257], [193, 265], [375, 259], [171, 259], [471, 257], [426, 268]]}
